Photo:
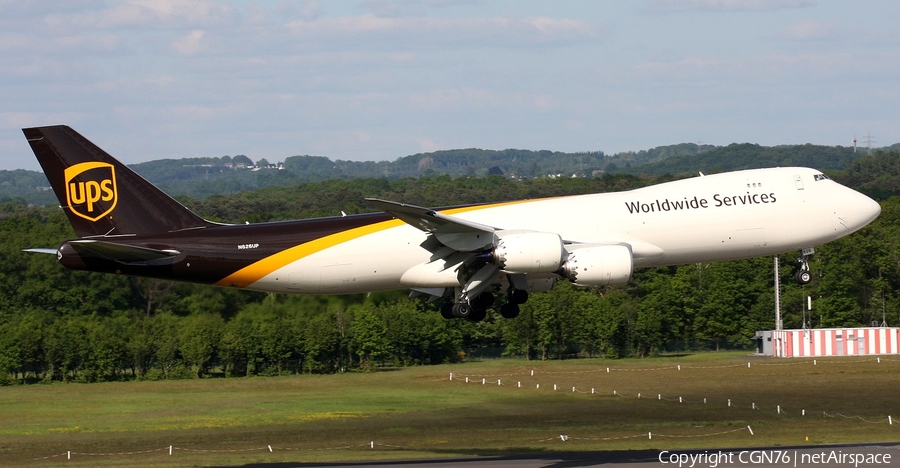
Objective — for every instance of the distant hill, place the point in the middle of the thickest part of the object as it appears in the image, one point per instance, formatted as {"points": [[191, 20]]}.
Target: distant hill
{"points": [[201, 178], [746, 155], [30, 186]]}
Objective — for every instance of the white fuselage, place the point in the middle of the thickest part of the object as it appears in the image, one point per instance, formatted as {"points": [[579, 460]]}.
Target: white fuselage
{"points": [[717, 217]]}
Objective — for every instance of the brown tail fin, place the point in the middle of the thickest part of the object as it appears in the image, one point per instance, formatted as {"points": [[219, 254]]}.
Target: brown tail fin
{"points": [[100, 195]]}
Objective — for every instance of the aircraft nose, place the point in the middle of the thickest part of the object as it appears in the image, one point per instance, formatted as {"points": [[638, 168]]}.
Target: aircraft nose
{"points": [[857, 210]]}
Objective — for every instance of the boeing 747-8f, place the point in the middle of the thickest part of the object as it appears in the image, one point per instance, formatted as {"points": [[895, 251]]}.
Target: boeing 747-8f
{"points": [[125, 225]]}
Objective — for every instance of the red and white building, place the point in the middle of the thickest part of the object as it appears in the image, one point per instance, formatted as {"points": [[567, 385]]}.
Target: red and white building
{"points": [[871, 341]]}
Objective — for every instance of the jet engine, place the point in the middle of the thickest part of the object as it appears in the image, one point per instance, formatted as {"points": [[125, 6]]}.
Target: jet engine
{"points": [[529, 252], [599, 265]]}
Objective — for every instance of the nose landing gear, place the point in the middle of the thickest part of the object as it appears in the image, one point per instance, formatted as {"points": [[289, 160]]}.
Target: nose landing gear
{"points": [[803, 275]]}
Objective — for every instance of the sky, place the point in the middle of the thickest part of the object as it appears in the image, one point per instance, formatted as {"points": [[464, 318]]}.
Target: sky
{"points": [[378, 79]]}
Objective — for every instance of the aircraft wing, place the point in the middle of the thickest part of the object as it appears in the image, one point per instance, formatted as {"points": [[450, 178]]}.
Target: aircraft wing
{"points": [[123, 253], [458, 234]]}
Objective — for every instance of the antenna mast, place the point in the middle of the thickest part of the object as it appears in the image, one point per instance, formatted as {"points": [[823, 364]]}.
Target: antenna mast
{"points": [[869, 140]]}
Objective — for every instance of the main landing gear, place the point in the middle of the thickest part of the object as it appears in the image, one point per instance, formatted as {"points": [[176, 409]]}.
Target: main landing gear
{"points": [[476, 309], [803, 275], [514, 298]]}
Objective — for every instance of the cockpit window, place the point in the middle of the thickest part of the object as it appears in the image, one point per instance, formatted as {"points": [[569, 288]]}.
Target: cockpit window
{"points": [[819, 177]]}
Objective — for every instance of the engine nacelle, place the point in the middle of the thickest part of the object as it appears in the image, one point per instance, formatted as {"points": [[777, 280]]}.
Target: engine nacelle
{"points": [[529, 252], [599, 266]]}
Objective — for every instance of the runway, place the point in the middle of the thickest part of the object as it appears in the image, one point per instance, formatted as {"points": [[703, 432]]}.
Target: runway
{"points": [[855, 455]]}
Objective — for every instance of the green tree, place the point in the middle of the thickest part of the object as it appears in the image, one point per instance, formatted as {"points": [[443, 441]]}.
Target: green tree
{"points": [[65, 347], [164, 329], [199, 337], [369, 336], [238, 347], [606, 322], [521, 334], [416, 336], [321, 342], [558, 320], [279, 344], [141, 346], [647, 330], [106, 351], [29, 334], [730, 292], [9, 352]]}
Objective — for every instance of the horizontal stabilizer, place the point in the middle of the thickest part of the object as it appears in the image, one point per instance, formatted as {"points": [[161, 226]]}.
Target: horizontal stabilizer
{"points": [[41, 251], [124, 253]]}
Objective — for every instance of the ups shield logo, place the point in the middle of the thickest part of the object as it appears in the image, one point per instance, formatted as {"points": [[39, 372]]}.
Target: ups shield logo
{"points": [[91, 189]]}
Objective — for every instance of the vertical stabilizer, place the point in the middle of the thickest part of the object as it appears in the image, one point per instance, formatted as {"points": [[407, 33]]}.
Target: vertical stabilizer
{"points": [[100, 195]]}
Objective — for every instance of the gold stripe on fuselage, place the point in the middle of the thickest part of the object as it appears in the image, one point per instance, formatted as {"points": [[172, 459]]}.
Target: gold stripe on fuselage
{"points": [[257, 270]]}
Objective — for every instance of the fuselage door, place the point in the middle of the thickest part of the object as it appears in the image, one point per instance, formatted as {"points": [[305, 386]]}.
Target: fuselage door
{"points": [[798, 181]]}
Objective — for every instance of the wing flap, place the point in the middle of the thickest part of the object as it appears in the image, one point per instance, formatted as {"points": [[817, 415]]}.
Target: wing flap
{"points": [[456, 233]]}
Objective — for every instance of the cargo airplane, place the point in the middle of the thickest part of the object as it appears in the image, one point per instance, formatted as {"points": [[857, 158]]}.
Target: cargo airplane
{"points": [[469, 254]]}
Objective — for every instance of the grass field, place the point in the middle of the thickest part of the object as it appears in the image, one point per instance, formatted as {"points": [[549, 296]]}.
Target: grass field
{"points": [[420, 412]]}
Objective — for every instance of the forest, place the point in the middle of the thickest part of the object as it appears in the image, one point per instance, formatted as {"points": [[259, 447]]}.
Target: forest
{"points": [[71, 326]]}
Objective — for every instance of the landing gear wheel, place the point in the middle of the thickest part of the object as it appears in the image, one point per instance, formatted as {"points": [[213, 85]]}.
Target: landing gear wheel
{"points": [[477, 315], [509, 311], [461, 310], [480, 306], [803, 276], [447, 311], [517, 296], [483, 301]]}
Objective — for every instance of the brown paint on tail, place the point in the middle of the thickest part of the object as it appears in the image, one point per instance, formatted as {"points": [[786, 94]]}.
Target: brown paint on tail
{"points": [[100, 195]]}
